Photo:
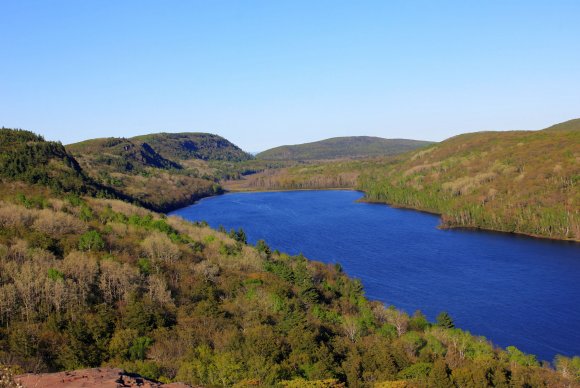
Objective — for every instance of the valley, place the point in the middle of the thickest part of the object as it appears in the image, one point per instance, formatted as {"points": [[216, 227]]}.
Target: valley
{"points": [[91, 275]]}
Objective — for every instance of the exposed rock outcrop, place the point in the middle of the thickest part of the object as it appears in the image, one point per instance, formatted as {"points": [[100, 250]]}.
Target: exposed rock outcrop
{"points": [[86, 378]]}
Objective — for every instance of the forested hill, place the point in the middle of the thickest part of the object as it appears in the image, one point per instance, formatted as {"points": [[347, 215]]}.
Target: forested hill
{"points": [[27, 157], [135, 169], [90, 282], [519, 181], [191, 145], [161, 171], [342, 147], [570, 125], [129, 169], [120, 153]]}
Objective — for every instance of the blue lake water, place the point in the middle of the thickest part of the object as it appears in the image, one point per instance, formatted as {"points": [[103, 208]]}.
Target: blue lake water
{"points": [[514, 290]]}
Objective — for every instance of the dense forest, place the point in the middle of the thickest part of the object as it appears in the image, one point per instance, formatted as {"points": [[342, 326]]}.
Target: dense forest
{"points": [[342, 148], [88, 281], [522, 182], [27, 157], [302, 176]]}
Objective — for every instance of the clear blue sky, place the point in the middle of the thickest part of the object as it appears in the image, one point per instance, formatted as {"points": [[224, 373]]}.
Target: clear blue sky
{"points": [[272, 72]]}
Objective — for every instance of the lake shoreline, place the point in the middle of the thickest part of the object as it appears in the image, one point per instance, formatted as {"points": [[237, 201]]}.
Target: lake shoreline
{"points": [[332, 241], [375, 202], [474, 228]]}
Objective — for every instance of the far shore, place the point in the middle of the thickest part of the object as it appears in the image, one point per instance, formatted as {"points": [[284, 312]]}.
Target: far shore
{"points": [[249, 190]]}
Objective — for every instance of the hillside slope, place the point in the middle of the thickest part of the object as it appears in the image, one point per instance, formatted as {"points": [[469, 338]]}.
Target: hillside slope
{"points": [[520, 181], [120, 154], [88, 282], [570, 125], [342, 147], [138, 171], [191, 145], [163, 171], [27, 157]]}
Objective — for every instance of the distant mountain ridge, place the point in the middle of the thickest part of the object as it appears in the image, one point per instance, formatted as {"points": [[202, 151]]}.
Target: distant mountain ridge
{"points": [[343, 148]]}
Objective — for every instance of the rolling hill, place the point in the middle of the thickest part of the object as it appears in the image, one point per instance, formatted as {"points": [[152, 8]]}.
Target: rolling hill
{"points": [[173, 174], [161, 171], [342, 148], [88, 282], [517, 181], [193, 145], [121, 154], [570, 125], [27, 157]]}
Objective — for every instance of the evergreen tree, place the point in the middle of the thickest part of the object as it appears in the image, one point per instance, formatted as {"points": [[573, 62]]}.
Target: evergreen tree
{"points": [[241, 236], [445, 320], [261, 246], [439, 376]]}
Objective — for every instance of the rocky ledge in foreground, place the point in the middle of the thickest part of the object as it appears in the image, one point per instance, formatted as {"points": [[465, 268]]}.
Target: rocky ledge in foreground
{"points": [[96, 377]]}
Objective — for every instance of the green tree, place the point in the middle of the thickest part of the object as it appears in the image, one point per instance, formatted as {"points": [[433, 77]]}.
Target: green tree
{"points": [[439, 376], [241, 236], [90, 241], [418, 371], [261, 246], [55, 275], [139, 348], [521, 358], [445, 320], [121, 343], [418, 321], [568, 367]]}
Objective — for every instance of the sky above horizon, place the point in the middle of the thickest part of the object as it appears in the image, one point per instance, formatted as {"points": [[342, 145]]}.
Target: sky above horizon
{"points": [[267, 73]]}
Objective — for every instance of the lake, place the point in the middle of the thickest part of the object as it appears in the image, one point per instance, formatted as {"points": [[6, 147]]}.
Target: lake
{"points": [[514, 290]]}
